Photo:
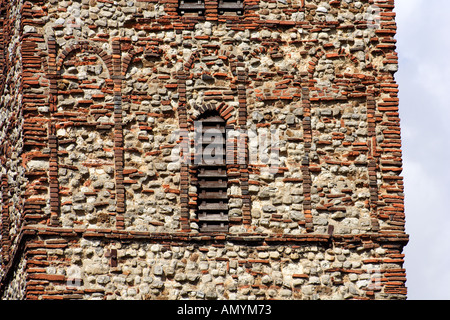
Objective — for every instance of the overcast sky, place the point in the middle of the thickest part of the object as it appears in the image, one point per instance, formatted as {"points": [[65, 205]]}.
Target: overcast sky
{"points": [[423, 45]]}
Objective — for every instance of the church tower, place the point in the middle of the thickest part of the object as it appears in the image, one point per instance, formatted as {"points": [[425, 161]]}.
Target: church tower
{"points": [[200, 149]]}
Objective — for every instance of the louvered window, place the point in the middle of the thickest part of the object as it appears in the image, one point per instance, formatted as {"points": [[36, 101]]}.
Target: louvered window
{"points": [[212, 174], [226, 6], [198, 6], [192, 6]]}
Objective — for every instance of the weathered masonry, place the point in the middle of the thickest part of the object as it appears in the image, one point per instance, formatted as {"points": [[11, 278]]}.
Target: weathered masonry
{"points": [[108, 108]]}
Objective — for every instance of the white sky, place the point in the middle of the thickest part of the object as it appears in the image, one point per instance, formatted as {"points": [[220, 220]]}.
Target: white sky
{"points": [[423, 45]]}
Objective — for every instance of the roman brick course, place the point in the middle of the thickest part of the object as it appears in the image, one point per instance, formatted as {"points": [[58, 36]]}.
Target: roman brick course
{"points": [[99, 96]]}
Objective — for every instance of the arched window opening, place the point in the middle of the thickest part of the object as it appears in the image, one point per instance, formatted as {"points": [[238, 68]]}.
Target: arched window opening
{"points": [[212, 211]]}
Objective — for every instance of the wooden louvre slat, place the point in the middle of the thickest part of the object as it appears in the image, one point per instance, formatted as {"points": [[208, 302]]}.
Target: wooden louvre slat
{"points": [[207, 216], [214, 227], [213, 206], [211, 173], [212, 184], [212, 140], [213, 195]]}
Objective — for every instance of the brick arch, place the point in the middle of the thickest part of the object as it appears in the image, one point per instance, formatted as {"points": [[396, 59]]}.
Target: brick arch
{"points": [[126, 61], [263, 50], [223, 54], [258, 51], [190, 62], [221, 105], [224, 110], [83, 47], [297, 77], [331, 55], [131, 54]]}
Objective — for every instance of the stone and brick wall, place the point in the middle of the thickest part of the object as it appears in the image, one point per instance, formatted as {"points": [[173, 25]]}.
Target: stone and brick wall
{"points": [[12, 129], [98, 98]]}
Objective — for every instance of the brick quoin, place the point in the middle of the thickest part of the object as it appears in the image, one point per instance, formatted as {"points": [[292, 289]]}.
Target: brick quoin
{"points": [[98, 179]]}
